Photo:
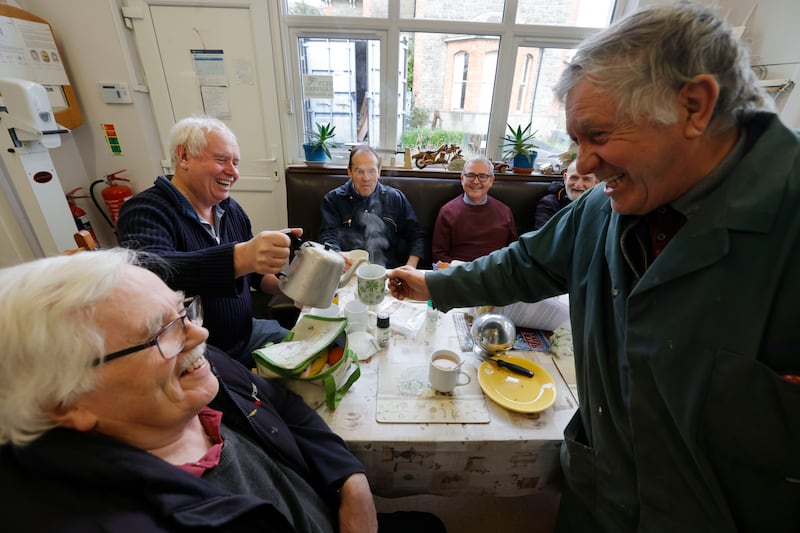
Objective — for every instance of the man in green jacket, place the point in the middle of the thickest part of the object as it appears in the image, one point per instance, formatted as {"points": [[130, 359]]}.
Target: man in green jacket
{"points": [[682, 272]]}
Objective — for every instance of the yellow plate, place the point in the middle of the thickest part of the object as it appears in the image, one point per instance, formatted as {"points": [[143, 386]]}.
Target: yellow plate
{"points": [[516, 392]]}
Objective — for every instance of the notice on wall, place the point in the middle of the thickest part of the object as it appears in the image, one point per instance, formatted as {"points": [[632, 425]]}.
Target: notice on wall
{"points": [[28, 51], [317, 86], [215, 101], [209, 67]]}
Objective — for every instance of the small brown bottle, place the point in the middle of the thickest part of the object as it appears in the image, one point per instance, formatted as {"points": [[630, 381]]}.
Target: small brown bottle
{"points": [[383, 330]]}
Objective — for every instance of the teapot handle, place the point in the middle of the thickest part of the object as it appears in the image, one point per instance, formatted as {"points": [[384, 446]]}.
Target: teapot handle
{"points": [[295, 244], [294, 247]]}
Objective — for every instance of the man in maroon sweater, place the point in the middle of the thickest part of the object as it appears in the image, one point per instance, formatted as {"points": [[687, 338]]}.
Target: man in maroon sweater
{"points": [[473, 224]]}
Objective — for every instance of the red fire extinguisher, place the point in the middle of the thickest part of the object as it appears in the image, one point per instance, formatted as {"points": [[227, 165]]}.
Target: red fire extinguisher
{"points": [[79, 215], [114, 195]]}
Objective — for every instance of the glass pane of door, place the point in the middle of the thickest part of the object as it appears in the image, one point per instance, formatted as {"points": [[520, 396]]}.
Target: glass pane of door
{"points": [[351, 69]]}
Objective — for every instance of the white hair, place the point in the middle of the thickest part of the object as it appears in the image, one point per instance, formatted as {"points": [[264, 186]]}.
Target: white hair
{"points": [[50, 336], [191, 133]]}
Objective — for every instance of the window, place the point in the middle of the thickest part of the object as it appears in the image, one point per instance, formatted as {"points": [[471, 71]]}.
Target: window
{"points": [[468, 10], [537, 71], [446, 71], [522, 90], [487, 82], [338, 8], [460, 71], [451, 87], [341, 86], [588, 13]]}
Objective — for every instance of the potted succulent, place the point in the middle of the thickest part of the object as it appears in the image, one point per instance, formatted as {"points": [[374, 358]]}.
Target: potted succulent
{"points": [[318, 147], [519, 149]]}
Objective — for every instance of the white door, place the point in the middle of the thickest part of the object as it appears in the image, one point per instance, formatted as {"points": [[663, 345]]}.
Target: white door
{"points": [[201, 58]]}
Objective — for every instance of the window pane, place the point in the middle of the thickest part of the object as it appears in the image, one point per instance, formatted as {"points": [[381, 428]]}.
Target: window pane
{"points": [[471, 10], [351, 69], [532, 100], [450, 86], [338, 8], [587, 13]]}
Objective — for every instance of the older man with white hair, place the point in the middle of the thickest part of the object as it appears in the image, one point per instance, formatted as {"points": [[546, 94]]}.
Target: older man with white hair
{"points": [[116, 416]]}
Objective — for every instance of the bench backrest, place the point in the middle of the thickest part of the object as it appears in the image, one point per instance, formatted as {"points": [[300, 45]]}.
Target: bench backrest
{"points": [[304, 192]]}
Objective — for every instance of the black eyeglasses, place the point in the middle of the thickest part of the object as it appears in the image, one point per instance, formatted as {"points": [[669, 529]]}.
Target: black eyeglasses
{"points": [[483, 178], [168, 339]]}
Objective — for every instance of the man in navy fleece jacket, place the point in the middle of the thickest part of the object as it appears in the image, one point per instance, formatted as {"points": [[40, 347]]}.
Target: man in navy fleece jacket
{"points": [[190, 220]]}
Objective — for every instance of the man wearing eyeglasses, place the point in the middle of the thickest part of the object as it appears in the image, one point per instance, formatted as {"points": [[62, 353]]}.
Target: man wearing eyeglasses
{"points": [[473, 224], [368, 215], [116, 416]]}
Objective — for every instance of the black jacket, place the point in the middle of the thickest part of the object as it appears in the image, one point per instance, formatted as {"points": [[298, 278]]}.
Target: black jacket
{"points": [[70, 481], [555, 199]]}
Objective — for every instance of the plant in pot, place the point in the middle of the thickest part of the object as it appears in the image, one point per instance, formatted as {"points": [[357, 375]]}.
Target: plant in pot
{"points": [[318, 147], [519, 149]]}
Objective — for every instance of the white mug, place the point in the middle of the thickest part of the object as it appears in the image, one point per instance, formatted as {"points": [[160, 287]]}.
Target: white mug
{"points": [[371, 286], [444, 371], [358, 315], [358, 256], [331, 311]]}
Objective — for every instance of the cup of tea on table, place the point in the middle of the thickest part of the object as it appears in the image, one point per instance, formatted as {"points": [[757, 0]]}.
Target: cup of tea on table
{"points": [[444, 371]]}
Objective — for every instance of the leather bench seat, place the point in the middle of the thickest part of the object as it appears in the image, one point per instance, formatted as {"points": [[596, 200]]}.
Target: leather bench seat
{"points": [[305, 188]]}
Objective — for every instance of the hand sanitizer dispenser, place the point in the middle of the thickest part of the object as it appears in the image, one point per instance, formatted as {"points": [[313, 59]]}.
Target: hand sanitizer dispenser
{"points": [[29, 113], [27, 129]]}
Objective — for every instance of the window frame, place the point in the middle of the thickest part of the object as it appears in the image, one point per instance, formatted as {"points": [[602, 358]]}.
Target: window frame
{"points": [[388, 30]]}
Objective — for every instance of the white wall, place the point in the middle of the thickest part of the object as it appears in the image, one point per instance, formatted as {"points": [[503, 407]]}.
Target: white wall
{"points": [[95, 48], [770, 32]]}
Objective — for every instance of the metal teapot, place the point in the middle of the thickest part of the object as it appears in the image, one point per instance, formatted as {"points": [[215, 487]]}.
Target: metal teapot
{"points": [[314, 274]]}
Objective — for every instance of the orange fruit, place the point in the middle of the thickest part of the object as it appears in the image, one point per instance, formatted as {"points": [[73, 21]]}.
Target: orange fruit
{"points": [[334, 354]]}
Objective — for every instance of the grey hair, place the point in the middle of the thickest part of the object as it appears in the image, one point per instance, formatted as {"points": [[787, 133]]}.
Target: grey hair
{"points": [[480, 159], [645, 58], [191, 132], [50, 335]]}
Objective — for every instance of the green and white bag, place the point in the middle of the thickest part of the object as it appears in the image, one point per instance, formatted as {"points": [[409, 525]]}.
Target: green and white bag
{"points": [[314, 352]]}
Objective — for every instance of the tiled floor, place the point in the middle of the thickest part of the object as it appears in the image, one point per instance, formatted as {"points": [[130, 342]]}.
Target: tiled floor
{"points": [[477, 514]]}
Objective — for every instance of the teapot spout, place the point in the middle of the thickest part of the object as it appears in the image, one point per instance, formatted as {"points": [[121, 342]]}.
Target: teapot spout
{"points": [[349, 274]]}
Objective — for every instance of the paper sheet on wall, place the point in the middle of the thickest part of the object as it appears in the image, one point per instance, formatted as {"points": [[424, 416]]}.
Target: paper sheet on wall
{"points": [[209, 67], [28, 51], [215, 101]]}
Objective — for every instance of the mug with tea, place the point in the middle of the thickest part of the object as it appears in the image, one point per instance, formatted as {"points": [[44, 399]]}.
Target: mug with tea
{"points": [[444, 371]]}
